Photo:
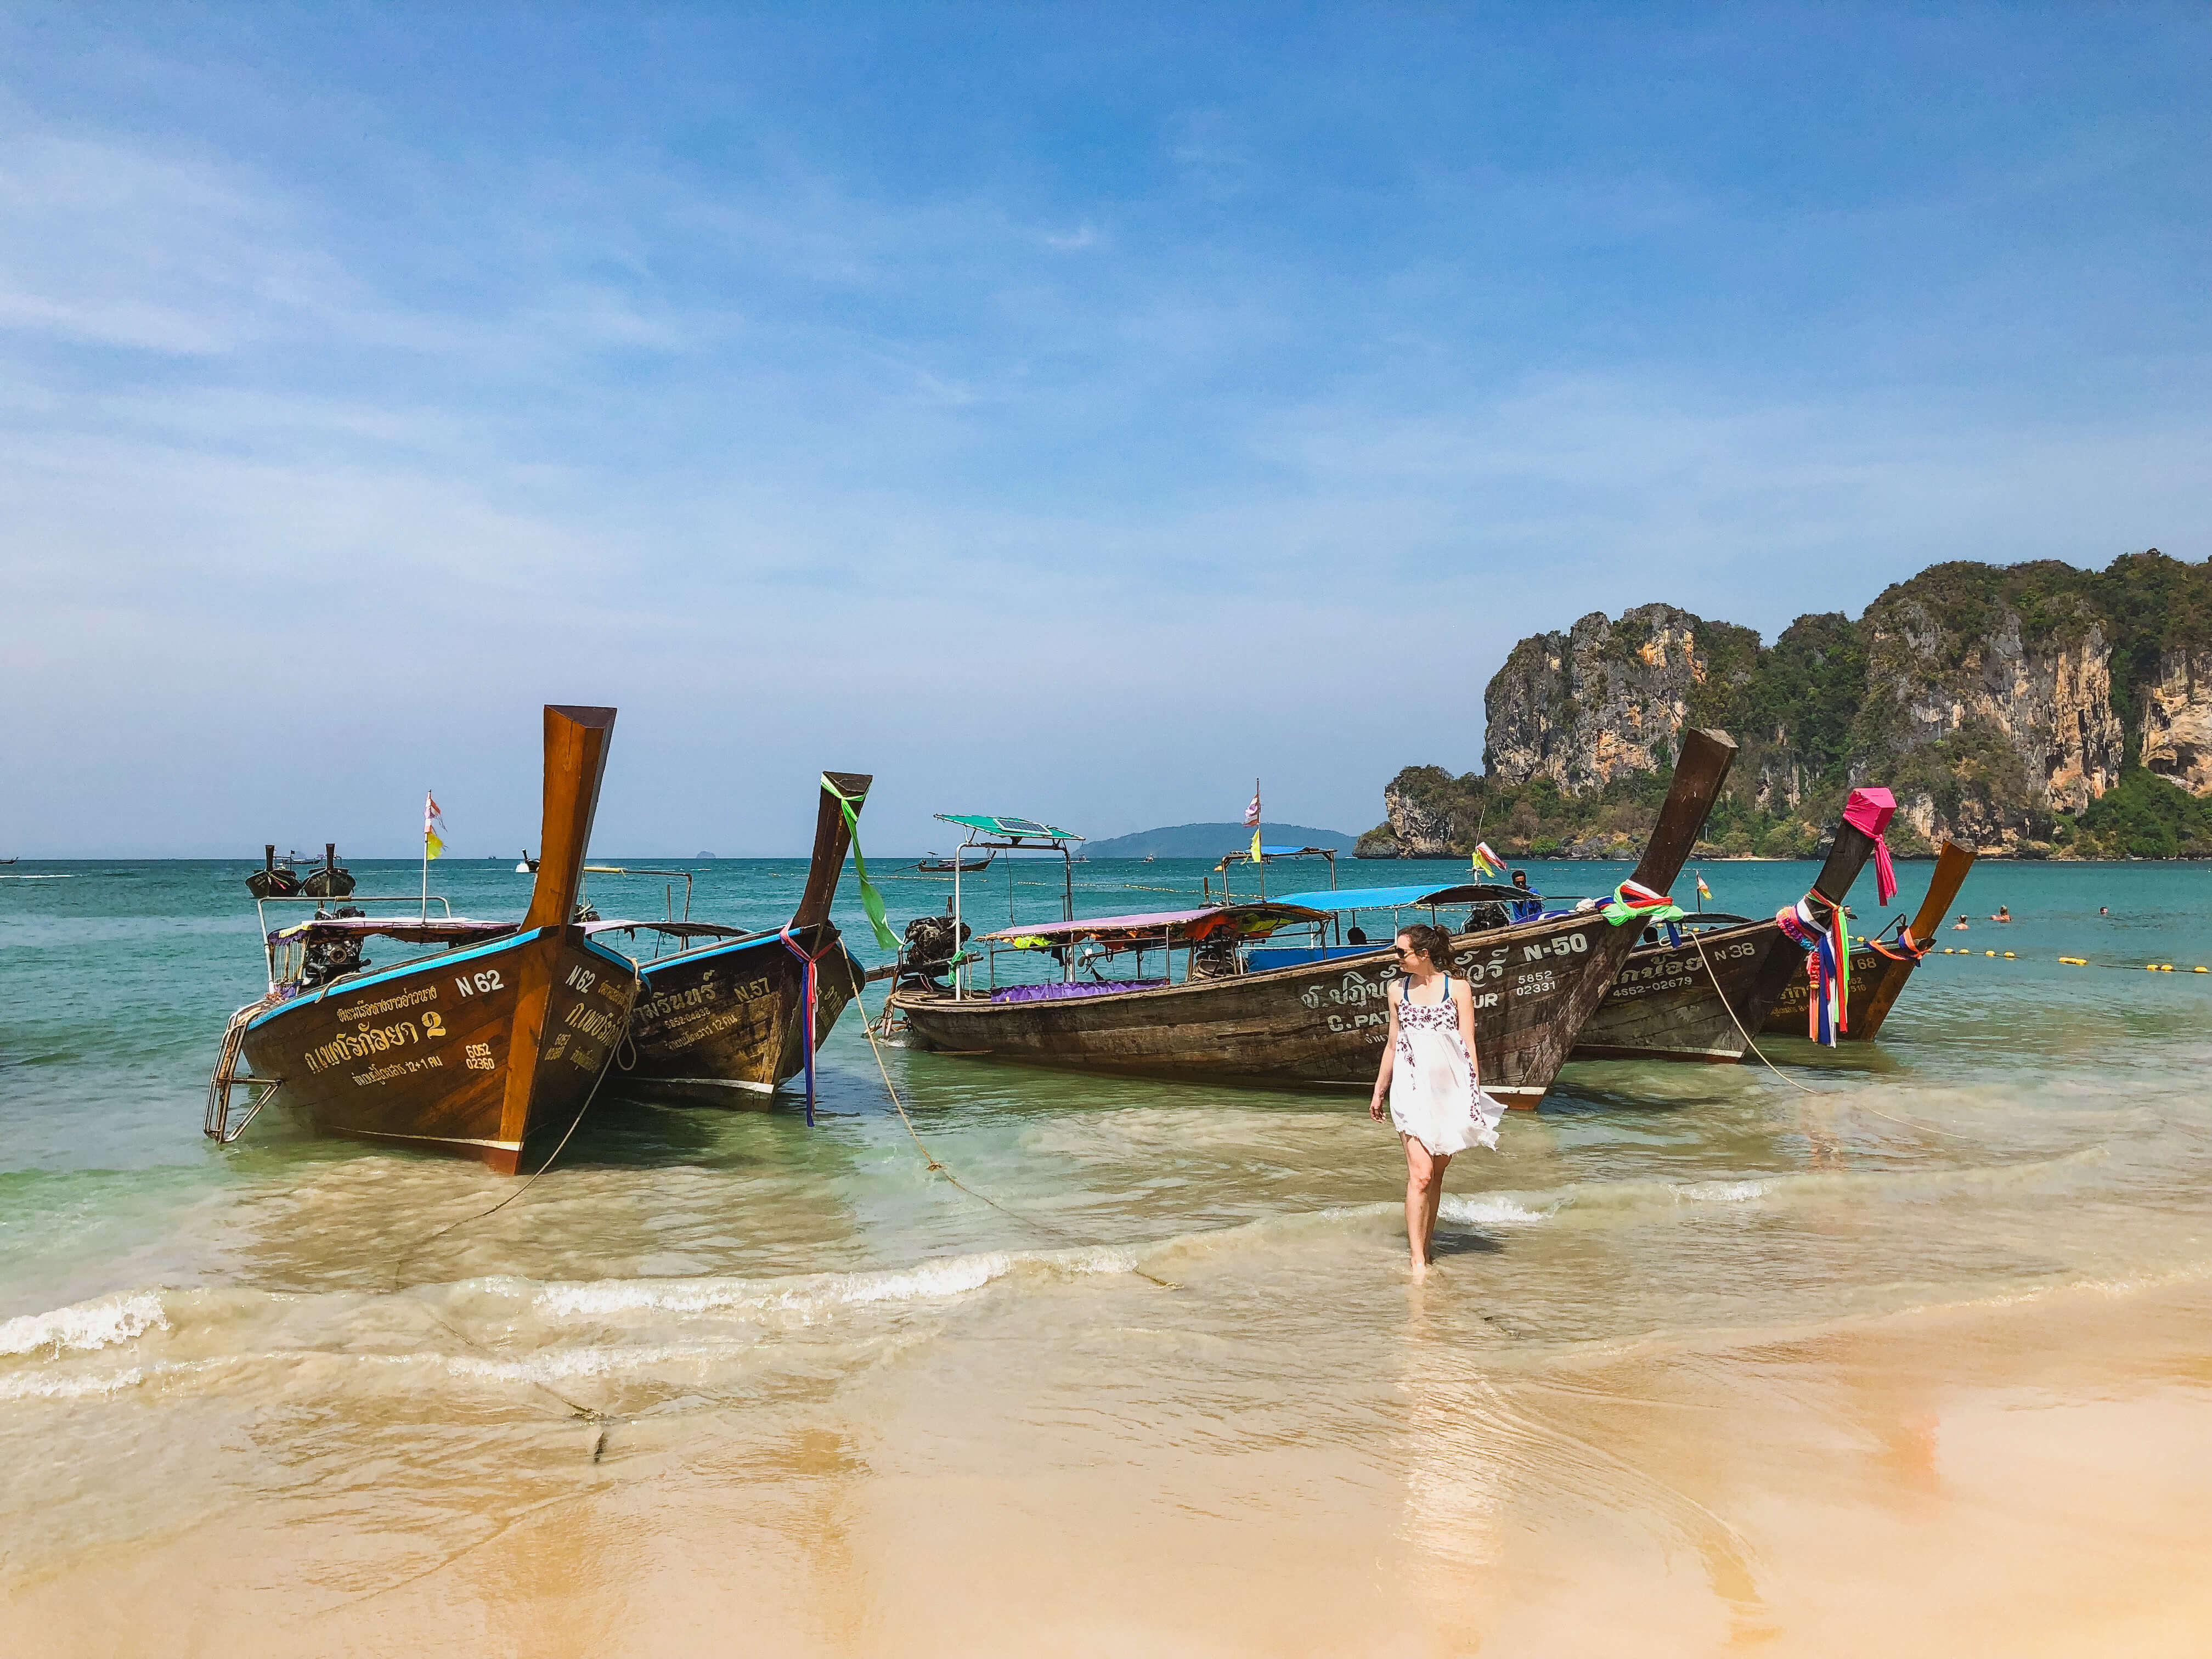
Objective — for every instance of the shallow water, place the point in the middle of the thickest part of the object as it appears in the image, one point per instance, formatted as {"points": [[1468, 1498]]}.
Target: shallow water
{"points": [[1710, 1360]]}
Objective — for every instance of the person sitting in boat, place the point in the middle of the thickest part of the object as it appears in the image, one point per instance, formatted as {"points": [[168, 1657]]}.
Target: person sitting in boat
{"points": [[1431, 1078], [1355, 934]]}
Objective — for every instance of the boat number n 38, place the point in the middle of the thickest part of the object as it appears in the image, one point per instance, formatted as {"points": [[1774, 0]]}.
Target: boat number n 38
{"points": [[489, 980]]}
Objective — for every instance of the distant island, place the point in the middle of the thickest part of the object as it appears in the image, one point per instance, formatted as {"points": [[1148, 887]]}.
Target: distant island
{"points": [[1211, 841]]}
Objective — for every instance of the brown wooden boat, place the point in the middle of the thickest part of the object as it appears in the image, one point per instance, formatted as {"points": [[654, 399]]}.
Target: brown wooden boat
{"points": [[331, 879], [1880, 965], [472, 1053], [1671, 1003], [725, 1023], [1323, 1023]]}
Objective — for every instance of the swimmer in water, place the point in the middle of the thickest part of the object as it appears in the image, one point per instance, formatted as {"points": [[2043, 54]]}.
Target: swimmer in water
{"points": [[2104, 910], [1960, 926], [2002, 914]]}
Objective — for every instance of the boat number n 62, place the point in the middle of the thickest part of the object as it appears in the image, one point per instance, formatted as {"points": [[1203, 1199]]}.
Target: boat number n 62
{"points": [[489, 980], [1561, 944], [580, 979]]}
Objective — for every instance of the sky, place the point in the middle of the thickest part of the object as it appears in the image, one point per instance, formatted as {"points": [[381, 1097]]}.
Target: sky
{"points": [[1070, 410]]}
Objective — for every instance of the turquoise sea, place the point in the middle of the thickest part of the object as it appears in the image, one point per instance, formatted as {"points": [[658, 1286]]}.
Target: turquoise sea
{"points": [[716, 1371]]}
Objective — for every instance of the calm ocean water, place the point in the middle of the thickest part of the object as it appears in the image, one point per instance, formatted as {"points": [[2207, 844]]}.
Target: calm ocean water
{"points": [[828, 1388]]}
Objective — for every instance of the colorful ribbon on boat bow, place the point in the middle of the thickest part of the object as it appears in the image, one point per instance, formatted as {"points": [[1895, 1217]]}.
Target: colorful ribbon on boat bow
{"points": [[871, 900], [813, 980], [1827, 947], [1633, 902], [1869, 811]]}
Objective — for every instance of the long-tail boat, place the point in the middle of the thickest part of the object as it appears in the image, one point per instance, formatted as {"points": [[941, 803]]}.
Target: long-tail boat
{"points": [[272, 879], [727, 1022], [473, 1051], [331, 879], [1705, 983], [1319, 1022], [1880, 965]]}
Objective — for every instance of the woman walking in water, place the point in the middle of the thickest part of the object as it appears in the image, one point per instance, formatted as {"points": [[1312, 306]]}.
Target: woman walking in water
{"points": [[1430, 1078]]}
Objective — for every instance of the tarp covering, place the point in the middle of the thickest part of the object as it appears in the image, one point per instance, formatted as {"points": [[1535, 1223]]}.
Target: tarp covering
{"points": [[992, 825], [1395, 899], [1244, 854], [1182, 925], [1080, 988], [441, 930]]}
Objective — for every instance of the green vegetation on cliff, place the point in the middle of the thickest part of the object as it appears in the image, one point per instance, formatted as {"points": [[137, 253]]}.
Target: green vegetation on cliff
{"points": [[2005, 705]]}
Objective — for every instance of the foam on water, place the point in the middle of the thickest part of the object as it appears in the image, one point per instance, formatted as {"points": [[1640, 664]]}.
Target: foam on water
{"points": [[95, 1324]]}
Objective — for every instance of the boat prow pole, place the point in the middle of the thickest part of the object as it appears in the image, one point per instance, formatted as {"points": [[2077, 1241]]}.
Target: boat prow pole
{"points": [[1699, 770], [833, 839], [576, 742]]}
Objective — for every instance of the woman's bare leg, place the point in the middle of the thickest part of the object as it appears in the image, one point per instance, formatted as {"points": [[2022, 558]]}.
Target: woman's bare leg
{"points": [[1422, 1170], [1436, 1168]]}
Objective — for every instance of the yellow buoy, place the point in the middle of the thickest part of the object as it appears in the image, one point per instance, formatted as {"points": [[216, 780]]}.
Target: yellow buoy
{"points": [[2150, 967], [2008, 955], [2165, 967], [2201, 970], [1988, 953], [2076, 962]]}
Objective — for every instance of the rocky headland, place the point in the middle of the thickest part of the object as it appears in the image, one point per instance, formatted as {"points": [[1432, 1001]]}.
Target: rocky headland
{"points": [[2031, 711]]}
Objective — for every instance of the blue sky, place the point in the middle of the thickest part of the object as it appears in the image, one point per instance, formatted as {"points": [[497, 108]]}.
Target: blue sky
{"points": [[1071, 410]]}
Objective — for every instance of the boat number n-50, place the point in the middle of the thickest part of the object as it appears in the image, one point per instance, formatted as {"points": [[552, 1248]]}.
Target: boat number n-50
{"points": [[489, 980], [1564, 944], [580, 979]]}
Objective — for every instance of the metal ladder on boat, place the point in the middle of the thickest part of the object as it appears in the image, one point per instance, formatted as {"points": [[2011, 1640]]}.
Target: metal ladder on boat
{"points": [[218, 1125]]}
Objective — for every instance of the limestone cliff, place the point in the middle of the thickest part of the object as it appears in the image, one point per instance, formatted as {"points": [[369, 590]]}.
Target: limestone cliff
{"points": [[1606, 698], [2031, 709], [2177, 721]]}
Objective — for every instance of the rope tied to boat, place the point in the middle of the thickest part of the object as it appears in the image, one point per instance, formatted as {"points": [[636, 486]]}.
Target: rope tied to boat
{"points": [[1800, 1088], [1633, 902], [936, 1166]]}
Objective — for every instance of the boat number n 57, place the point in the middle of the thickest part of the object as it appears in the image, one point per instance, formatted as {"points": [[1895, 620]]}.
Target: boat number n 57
{"points": [[489, 980], [1561, 944]]}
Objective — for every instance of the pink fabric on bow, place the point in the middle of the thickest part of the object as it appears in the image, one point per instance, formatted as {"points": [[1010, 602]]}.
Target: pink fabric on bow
{"points": [[1869, 810]]}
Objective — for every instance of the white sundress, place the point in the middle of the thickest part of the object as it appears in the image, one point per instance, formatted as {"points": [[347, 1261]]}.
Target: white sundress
{"points": [[1435, 1096]]}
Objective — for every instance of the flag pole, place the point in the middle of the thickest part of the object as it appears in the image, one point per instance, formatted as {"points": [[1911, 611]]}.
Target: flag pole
{"points": [[428, 794]]}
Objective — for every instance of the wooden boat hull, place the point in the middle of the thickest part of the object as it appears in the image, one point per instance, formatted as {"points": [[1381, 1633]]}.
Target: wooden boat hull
{"points": [[1664, 1006], [1535, 985], [272, 884], [1878, 976], [469, 1053], [725, 1023], [1321, 1023]]}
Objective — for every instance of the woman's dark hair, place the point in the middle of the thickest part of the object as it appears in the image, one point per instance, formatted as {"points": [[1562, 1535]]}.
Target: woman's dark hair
{"points": [[1434, 943]]}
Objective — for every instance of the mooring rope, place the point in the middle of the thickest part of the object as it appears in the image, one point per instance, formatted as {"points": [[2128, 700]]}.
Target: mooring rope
{"points": [[936, 1165], [1836, 1094]]}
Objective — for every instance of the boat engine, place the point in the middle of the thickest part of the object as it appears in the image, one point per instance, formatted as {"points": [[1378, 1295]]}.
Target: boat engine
{"points": [[333, 958], [928, 951]]}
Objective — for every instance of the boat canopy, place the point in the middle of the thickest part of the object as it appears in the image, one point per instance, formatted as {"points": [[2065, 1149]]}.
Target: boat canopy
{"points": [[1397, 898], [412, 930], [1183, 926], [991, 824], [679, 929], [1244, 854]]}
